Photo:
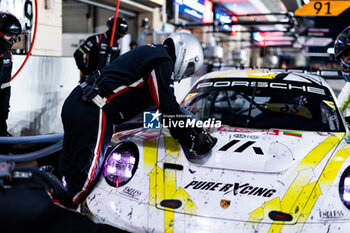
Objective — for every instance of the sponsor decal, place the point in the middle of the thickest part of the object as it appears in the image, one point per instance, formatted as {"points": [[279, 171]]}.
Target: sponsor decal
{"points": [[245, 136], [225, 204], [103, 47], [295, 134], [131, 192], [322, 133], [6, 61], [239, 136], [18, 174], [226, 128], [330, 214], [242, 147], [326, 134], [272, 85], [272, 132], [236, 188]]}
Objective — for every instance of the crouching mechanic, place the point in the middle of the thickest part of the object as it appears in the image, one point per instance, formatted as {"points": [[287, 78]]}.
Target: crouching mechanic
{"points": [[342, 55], [117, 93]]}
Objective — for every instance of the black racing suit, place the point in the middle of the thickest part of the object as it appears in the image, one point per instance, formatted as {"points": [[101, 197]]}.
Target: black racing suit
{"points": [[129, 84], [5, 92], [91, 55]]}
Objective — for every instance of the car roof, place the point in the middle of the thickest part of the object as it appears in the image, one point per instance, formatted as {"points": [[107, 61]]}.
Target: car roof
{"points": [[267, 75]]}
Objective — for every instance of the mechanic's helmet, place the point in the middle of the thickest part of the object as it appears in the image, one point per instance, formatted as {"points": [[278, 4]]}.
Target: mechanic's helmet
{"points": [[121, 27], [187, 53], [342, 49], [10, 28]]}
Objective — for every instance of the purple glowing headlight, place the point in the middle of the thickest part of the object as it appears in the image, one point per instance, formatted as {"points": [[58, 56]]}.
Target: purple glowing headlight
{"points": [[344, 187], [346, 193], [121, 164]]}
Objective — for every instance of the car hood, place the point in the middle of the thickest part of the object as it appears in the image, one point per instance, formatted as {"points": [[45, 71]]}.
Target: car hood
{"points": [[270, 151], [243, 149], [248, 175]]}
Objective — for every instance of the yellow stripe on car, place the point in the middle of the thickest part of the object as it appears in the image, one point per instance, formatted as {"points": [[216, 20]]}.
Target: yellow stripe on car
{"points": [[225, 74], [260, 74], [345, 104], [325, 181], [314, 157], [295, 198], [190, 207], [172, 147], [172, 153], [162, 182], [331, 171], [149, 154], [169, 191], [156, 186]]}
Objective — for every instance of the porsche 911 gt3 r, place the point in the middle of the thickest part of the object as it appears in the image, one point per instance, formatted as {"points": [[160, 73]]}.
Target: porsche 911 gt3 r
{"points": [[280, 164]]}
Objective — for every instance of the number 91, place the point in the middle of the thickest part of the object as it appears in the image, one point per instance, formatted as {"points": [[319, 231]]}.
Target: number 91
{"points": [[318, 7]]}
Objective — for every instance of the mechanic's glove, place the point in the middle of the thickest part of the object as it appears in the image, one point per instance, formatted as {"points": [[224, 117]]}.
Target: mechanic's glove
{"points": [[199, 143], [203, 143]]}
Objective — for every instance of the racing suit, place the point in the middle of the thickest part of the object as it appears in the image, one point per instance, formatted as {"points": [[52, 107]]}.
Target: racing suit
{"points": [[5, 92], [92, 54], [125, 87], [344, 99]]}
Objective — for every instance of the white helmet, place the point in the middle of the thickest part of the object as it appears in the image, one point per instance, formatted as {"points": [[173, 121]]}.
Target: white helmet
{"points": [[188, 54]]}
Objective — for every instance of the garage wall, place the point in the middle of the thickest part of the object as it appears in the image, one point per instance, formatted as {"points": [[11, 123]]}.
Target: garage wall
{"points": [[38, 93], [75, 17], [48, 40]]}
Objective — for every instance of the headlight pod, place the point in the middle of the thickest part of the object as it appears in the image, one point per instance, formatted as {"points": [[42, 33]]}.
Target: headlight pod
{"points": [[344, 187], [121, 164]]}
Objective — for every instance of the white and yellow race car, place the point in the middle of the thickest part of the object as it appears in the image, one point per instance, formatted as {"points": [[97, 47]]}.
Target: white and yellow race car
{"points": [[281, 163]]}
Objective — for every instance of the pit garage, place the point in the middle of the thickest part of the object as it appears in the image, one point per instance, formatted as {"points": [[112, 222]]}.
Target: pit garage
{"points": [[174, 116]]}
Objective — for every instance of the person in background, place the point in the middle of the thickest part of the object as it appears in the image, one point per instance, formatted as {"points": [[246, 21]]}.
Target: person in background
{"points": [[93, 55], [133, 45], [120, 91], [10, 28], [342, 55]]}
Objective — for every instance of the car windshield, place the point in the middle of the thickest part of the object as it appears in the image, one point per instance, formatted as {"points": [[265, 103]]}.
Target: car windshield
{"points": [[265, 104]]}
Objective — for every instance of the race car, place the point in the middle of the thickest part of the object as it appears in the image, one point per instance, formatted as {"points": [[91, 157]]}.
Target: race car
{"points": [[281, 162]]}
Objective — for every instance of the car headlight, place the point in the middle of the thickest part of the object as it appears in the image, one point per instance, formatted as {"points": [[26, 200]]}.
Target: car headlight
{"points": [[121, 164], [344, 187]]}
